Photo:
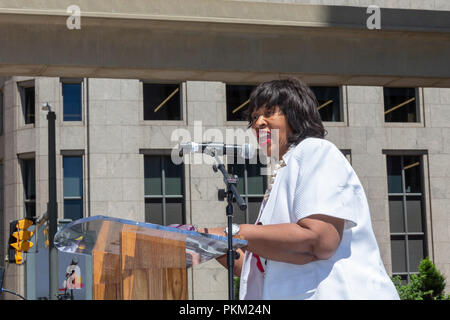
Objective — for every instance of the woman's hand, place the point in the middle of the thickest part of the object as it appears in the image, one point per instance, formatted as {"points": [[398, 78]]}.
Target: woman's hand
{"points": [[215, 231], [223, 259]]}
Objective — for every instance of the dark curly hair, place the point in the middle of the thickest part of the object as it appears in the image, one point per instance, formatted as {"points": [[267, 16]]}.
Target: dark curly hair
{"points": [[295, 100]]}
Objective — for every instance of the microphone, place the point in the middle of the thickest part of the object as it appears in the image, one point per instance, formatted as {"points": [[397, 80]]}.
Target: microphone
{"points": [[246, 151]]}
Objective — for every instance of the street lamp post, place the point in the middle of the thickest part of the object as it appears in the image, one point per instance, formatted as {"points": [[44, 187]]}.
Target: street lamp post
{"points": [[52, 205]]}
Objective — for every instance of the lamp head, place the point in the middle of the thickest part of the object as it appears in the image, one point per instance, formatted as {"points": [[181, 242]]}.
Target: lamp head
{"points": [[46, 107]]}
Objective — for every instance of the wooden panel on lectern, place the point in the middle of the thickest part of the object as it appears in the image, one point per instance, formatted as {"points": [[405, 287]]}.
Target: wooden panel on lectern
{"points": [[105, 268], [151, 267]]}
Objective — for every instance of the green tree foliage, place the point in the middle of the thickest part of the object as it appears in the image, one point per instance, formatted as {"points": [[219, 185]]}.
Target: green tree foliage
{"points": [[429, 284], [236, 287]]}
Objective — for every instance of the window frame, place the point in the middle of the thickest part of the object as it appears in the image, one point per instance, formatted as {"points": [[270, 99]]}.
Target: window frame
{"points": [[342, 101], [2, 111], [405, 235], [234, 122], [183, 102], [347, 154], [234, 162], [164, 196], [74, 154], [3, 249], [82, 88], [419, 110], [24, 159], [22, 86]]}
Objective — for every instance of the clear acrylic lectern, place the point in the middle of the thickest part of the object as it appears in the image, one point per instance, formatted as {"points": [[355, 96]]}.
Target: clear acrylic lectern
{"points": [[138, 260]]}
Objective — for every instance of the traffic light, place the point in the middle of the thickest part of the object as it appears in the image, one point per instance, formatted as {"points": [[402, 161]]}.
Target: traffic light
{"points": [[46, 239], [19, 239]]}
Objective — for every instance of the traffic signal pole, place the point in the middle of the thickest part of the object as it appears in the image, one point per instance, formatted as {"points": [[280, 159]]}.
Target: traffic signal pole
{"points": [[52, 206]]}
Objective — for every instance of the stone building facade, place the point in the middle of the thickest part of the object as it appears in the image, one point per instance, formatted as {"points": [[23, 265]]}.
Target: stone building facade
{"points": [[112, 140], [403, 163]]}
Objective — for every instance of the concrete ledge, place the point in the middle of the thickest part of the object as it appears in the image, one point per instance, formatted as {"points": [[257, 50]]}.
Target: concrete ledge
{"points": [[237, 12], [246, 43]]}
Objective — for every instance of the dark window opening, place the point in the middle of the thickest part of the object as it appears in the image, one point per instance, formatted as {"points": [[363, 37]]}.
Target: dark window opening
{"points": [[400, 105], [29, 186], [1, 113], [329, 103], [252, 185], [162, 101], [73, 187], [406, 214], [238, 97], [164, 191], [27, 97], [71, 93]]}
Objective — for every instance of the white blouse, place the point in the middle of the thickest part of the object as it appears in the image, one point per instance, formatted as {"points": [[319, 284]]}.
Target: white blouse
{"points": [[317, 179]]}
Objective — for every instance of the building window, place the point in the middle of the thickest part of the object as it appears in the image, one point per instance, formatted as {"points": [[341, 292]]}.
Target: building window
{"points": [[1, 188], [238, 97], [162, 101], [28, 168], [1, 113], [71, 93], [73, 187], [329, 103], [400, 105], [1, 199], [2, 219], [251, 186], [347, 154], [406, 214], [164, 190], [27, 97]]}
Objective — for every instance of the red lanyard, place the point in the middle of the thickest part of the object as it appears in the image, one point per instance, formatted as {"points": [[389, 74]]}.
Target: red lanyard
{"points": [[258, 263], [258, 259]]}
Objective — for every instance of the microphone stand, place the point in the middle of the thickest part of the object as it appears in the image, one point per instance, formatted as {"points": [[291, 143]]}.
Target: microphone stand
{"points": [[231, 191]]}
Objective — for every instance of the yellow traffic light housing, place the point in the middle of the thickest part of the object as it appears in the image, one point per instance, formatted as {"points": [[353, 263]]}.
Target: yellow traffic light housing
{"points": [[24, 224], [19, 238], [22, 243], [46, 239], [18, 257]]}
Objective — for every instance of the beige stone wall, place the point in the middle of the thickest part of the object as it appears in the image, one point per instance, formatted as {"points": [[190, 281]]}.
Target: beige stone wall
{"points": [[397, 4]]}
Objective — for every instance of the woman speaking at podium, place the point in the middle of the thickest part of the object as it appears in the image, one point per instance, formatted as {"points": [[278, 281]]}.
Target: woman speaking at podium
{"points": [[313, 238]]}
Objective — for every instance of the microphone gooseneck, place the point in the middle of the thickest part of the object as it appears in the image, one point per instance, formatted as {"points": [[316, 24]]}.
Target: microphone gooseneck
{"points": [[246, 151]]}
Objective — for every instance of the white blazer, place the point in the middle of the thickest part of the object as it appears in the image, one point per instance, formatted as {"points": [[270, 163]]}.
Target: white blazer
{"points": [[318, 179]]}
